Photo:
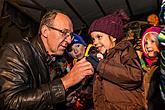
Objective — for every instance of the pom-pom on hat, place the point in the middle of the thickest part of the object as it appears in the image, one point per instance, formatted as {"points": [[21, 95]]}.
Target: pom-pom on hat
{"points": [[153, 19], [78, 39], [112, 24]]}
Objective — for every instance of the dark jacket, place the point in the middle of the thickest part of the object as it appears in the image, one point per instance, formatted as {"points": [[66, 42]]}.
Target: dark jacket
{"points": [[24, 78], [155, 101], [151, 82], [118, 85]]}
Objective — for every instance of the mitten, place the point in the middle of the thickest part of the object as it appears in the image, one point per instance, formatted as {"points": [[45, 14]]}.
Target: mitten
{"points": [[93, 60]]}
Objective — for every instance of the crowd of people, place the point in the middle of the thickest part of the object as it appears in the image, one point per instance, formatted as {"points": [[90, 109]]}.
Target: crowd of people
{"points": [[58, 70]]}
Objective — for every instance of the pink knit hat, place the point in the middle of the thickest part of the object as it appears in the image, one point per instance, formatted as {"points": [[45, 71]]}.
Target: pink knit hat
{"points": [[111, 24]]}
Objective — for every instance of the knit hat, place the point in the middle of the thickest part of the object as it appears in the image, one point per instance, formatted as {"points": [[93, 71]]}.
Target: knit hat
{"points": [[111, 24], [78, 39]]}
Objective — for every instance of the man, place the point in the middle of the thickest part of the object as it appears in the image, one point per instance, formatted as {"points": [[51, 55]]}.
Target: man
{"points": [[25, 81]]}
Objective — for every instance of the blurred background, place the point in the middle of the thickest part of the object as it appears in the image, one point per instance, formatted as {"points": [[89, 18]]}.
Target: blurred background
{"points": [[20, 18]]}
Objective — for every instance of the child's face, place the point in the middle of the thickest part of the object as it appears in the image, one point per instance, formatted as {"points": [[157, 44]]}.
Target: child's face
{"points": [[103, 41], [78, 51], [151, 45]]}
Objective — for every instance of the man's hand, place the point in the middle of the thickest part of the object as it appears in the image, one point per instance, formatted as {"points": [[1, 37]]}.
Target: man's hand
{"points": [[81, 69]]}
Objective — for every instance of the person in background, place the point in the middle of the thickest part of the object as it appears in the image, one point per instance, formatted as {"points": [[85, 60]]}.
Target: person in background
{"points": [[118, 82], [161, 39], [149, 60], [149, 50], [81, 93], [24, 67], [77, 48]]}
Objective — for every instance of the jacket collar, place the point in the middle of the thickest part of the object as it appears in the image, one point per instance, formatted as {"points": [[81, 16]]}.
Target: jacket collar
{"points": [[39, 46], [122, 45]]}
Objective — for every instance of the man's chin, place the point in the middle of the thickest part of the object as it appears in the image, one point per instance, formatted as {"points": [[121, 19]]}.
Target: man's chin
{"points": [[59, 53]]}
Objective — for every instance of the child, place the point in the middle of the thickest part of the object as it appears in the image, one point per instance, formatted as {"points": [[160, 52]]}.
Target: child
{"points": [[79, 49], [161, 39], [150, 64], [82, 92], [119, 76]]}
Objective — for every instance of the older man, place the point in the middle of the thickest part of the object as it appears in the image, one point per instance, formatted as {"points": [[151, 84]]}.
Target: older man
{"points": [[25, 81]]}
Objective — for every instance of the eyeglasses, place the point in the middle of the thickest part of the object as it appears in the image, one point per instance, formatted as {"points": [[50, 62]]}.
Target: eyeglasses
{"points": [[64, 32]]}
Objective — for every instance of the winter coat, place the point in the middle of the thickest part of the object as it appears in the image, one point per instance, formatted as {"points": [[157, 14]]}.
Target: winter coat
{"points": [[118, 84], [152, 70], [25, 80]]}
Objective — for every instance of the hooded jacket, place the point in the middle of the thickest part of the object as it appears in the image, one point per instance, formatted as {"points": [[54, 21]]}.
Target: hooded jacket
{"points": [[151, 68], [118, 85]]}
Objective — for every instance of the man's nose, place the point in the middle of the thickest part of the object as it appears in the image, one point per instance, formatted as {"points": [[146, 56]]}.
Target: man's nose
{"points": [[69, 39]]}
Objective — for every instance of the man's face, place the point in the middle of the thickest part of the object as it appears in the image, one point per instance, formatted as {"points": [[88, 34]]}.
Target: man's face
{"points": [[58, 35], [77, 51]]}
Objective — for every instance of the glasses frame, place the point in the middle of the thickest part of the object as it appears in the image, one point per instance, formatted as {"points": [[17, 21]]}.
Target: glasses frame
{"points": [[64, 32]]}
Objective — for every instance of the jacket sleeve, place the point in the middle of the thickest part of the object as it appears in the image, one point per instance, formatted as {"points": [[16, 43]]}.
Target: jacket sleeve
{"points": [[122, 69], [18, 91]]}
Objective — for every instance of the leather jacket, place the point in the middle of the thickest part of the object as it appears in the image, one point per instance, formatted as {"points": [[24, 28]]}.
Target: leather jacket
{"points": [[24, 78]]}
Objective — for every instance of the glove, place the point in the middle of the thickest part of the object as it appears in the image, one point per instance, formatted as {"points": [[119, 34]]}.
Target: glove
{"points": [[93, 60]]}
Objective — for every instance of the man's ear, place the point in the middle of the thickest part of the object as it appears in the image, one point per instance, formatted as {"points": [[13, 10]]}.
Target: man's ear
{"points": [[45, 31]]}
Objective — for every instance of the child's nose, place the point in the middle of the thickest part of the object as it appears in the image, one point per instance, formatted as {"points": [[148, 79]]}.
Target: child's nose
{"points": [[75, 51]]}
